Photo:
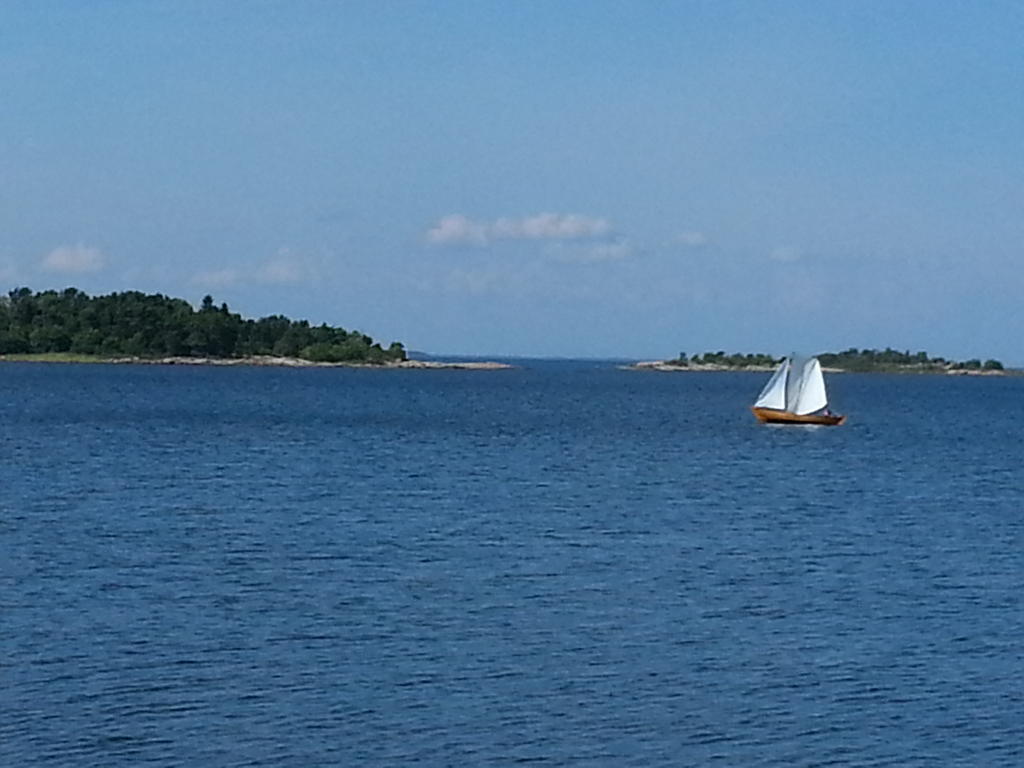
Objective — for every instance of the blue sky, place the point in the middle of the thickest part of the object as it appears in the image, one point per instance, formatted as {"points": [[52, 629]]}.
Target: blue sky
{"points": [[579, 178]]}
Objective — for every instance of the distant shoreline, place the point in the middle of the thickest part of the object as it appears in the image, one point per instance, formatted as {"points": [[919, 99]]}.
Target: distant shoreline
{"points": [[670, 367], [255, 361], [666, 366]]}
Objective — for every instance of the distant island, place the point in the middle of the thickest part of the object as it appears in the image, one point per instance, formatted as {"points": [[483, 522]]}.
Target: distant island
{"points": [[71, 326], [852, 360]]}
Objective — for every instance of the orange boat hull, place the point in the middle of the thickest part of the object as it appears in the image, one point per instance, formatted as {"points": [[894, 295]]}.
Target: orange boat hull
{"points": [[772, 416]]}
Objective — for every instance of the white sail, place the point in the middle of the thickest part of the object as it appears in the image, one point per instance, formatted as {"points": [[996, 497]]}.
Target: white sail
{"points": [[795, 382], [811, 395], [774, 393], [797, 386]]}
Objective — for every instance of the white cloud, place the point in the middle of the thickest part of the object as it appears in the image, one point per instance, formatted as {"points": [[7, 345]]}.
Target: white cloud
{"points": [[456, 229], [786, 253], [550, 226], [283, 268], [74, 259]]}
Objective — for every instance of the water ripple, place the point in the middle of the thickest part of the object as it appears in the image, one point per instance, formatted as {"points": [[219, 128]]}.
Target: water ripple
{"points": [[561, 565]]}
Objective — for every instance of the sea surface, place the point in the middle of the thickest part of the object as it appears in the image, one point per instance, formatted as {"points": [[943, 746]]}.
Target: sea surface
{"points": [[561, 564]]}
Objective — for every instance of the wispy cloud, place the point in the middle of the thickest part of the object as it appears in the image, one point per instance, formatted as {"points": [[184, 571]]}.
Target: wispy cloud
{"points": [[284, 268], [550, 226], [74, 259], [456, 229]]}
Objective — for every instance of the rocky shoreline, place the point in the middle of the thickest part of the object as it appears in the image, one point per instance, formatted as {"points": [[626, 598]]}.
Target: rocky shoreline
{"points": [[665, 366], [662, 365], [268, 361]]}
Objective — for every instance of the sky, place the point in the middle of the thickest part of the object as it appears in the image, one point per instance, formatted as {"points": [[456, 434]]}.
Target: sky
{"points": [[576, 178]]}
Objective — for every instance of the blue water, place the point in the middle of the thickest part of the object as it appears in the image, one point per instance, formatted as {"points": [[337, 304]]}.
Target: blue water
{"points": [[564, 564]]}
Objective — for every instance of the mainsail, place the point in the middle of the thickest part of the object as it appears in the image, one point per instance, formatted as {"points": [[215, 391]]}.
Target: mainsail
{"points": [[797, 386], [795, 382], [812, 390]]}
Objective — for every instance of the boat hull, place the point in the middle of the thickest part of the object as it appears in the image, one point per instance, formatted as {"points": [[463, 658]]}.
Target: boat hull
{"points": [[773, 416]]}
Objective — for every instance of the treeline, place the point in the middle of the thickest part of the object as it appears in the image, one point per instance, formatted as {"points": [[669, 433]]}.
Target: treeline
{"points": [[854, 360], [728, 360], [152, 326], [891, 359]]}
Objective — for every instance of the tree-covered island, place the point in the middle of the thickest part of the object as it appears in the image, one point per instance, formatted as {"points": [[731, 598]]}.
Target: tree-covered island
{"points": [[152, 326], [853, 360]]}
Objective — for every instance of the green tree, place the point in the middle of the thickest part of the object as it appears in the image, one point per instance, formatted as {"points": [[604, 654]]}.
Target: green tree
{"points": [[153, 325]]}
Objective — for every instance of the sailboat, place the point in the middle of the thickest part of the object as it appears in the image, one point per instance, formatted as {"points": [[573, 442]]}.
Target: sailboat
{"points": [[795, 394]]}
